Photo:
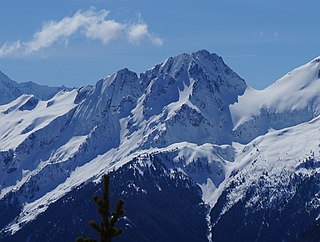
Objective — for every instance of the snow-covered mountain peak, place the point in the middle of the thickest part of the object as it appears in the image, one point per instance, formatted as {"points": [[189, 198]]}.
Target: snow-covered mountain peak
{"points": [[205, 57], [123, 76], [185, 93], [200, 62], [113, 91]]}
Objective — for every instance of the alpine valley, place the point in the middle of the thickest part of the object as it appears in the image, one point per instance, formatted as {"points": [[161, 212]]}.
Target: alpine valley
{"points": [[196, 154]]}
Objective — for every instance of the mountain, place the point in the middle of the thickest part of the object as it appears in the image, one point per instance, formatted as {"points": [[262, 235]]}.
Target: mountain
{"points": [[10, 90], [196, 154]]}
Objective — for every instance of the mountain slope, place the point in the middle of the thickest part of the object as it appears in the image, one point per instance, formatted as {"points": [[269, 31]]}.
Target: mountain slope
{"points": [[273, 193], [203, 152], [291, 100], [146, 212]]}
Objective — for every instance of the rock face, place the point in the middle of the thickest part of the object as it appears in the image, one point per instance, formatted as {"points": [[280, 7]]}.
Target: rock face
{"points": [[196, 154]]}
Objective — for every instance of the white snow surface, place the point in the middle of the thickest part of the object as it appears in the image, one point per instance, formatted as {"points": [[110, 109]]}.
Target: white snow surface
{"points": [[17, 124], [291, 100]]}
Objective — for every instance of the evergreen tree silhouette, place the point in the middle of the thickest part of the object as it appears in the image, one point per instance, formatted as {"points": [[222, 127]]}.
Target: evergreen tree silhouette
{"points": [[107, 228]]}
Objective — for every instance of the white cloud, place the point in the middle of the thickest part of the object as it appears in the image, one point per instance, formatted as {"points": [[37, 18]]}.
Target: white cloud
{"points": [[139, 31], [105, 31], [92, 24], [136, 31]]}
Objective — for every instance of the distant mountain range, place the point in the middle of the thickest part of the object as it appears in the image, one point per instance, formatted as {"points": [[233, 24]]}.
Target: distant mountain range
{"points": [[11, 90], [196, 154]]}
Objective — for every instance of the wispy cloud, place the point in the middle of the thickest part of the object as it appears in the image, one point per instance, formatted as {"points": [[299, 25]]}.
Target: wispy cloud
{"points": [[9, 49], [140, 30], [263, 34], [91, 24]]}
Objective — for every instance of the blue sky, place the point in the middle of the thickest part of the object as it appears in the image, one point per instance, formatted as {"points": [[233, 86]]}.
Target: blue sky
{"points": [[77, 42]]}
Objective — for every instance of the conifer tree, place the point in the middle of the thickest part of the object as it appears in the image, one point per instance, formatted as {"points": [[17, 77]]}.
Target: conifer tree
{"points": [[107, 228]]}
